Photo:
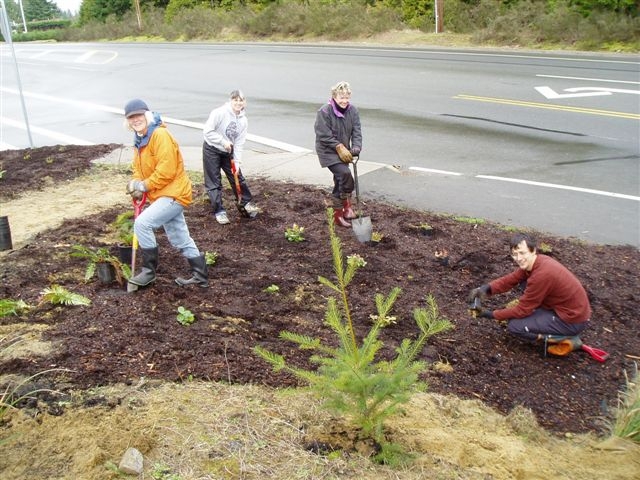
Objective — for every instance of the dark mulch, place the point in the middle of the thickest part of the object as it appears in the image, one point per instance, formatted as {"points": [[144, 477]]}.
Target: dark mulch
{"points": [[122, 337]]}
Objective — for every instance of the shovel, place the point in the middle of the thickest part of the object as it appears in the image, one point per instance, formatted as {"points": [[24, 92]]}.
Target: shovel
{"points": [[361, 226], [236, 181], [137, 208]]}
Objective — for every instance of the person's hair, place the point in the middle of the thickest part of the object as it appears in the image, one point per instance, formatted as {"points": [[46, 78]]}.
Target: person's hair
{"points": [[340, 87], [523, 237], [236, 94], [148, 116]]}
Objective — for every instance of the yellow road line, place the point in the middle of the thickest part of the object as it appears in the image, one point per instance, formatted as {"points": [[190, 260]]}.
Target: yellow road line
{"points": [[590, 111]]}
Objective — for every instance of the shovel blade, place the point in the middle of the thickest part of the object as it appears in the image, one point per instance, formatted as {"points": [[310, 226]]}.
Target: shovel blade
{"points": [[362, 228], [243, 211]]}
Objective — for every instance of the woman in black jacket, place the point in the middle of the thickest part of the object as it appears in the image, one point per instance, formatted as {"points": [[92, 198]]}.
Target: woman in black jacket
{"points": [[338, 140]]}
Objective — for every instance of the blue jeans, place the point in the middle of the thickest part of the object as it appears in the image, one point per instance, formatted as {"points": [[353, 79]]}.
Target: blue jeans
{"points": [[544, 322], [165, 212]]}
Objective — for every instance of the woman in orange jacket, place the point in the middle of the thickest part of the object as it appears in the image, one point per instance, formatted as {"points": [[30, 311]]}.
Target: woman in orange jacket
{"points": [[158, 171]]}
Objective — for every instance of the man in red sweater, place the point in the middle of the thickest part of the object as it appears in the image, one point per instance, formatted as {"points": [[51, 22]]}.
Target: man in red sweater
{"points": [[554, 307]]}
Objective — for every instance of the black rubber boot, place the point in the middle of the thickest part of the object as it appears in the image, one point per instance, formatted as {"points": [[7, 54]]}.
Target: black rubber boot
{"points": [[149, 265], [200, 273]]}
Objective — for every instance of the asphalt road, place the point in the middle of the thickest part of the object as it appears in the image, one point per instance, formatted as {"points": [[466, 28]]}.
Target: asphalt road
{"points": [[549, 141]]}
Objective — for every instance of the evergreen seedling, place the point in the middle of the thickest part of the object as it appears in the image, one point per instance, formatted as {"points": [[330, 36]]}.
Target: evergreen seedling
{"points": [[349, 378]]}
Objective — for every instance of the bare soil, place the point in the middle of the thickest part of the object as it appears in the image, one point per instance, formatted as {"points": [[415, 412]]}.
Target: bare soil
{"points": [[122, 337]]}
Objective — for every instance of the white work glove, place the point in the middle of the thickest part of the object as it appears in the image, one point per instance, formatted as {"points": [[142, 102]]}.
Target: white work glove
{"points": [[136, 189]]}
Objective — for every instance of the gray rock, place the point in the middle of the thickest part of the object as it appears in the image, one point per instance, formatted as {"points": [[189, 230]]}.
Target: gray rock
{"points": [[132, 462]]}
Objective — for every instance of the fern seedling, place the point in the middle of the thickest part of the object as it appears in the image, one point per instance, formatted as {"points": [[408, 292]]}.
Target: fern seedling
{"points": [[58, 295]]}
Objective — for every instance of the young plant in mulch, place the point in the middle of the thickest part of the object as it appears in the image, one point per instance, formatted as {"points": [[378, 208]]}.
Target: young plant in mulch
{"points": [[55, 295], [96, 256], [376, 238], [9, 306], [273, 288], [210, 258], [58, 295], [350, 379], [294, 233], [185, 317]]}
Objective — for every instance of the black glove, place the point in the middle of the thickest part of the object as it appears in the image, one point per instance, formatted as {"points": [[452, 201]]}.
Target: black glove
{"points": [[136, 189], [480, 292], [485, 314], [355, 151]]}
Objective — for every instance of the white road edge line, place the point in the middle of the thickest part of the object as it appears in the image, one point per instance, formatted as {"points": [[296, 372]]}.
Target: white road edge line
{"points": [[561, 187], [433, 170], [589, 79], [47, 133]]}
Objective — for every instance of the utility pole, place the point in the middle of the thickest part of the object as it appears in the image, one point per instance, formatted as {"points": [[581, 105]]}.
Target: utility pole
{"points": [[439, 8], [138, 14]]}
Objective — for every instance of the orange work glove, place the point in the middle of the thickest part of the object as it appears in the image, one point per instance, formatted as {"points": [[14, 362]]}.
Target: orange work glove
{"points": [[344, 153]]}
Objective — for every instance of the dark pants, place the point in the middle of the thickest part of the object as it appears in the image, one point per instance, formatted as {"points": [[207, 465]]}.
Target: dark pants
{"points": [[544, 322], [343, 183], [214, 160]]}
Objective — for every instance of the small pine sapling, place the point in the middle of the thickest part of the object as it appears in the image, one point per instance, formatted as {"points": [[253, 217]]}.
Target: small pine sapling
{"points": [[349, 378]]}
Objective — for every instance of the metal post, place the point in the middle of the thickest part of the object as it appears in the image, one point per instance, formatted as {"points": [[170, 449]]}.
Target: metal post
{"points": [[6, 33], [24, 22]]}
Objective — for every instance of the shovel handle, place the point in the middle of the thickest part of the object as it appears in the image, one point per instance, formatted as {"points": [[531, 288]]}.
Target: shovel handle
{"points": [[138, 204], [355, 178], [596, 353]]}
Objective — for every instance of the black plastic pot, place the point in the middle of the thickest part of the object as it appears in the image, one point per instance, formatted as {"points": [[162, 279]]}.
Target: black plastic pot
{"points": [[5, 234], [106, 272], [125, 252]]}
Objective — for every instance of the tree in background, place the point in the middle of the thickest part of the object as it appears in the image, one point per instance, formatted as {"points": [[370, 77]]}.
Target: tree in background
{"points": [[40, 10], [101, 9], [13, 11]]}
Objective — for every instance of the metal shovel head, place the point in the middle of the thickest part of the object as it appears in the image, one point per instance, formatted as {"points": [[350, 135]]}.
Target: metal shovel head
{"points": [[362, 228], [243, 211]]}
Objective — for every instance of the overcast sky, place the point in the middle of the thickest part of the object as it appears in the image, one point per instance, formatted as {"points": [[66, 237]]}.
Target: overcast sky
{"points": [[64, 5]]}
